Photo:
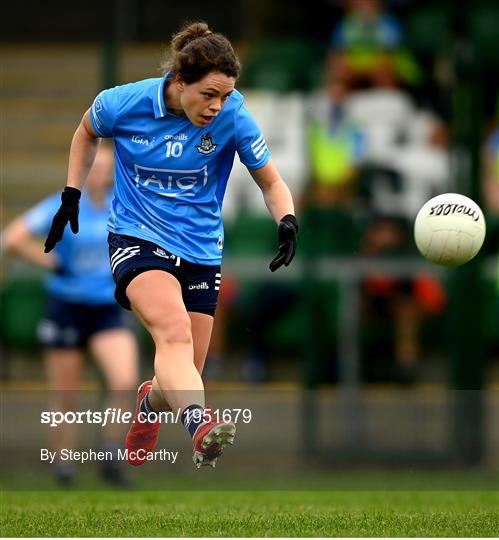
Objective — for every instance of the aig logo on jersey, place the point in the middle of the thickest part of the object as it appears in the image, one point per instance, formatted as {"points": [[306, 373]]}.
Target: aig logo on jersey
{"points": [[171, 182], [207, 145]]}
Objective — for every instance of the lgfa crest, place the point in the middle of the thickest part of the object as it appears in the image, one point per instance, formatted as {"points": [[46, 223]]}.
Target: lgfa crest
{"points": [[207, 146]]}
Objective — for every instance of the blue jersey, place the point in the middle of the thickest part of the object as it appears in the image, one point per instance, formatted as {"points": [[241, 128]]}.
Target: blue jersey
{"points": [[84, 275], [171, 176], [382, 32]]}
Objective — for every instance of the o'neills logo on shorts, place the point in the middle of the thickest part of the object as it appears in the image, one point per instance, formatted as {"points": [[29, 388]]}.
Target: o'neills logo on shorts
{"points": [[446, 209], [202, 285], [162, 253]]}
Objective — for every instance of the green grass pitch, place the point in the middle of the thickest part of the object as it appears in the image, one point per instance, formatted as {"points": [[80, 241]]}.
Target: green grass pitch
{"points": [[252, 513]]}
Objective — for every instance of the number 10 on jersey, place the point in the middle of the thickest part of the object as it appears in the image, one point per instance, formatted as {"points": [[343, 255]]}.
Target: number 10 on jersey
{"points": [[174, 149]]}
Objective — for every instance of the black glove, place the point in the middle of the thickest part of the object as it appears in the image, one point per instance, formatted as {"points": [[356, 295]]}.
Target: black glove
{"points": [[288, 230], [68, 211]]}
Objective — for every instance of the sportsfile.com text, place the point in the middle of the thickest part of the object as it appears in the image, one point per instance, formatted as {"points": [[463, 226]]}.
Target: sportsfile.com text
{"points": [[113, 415]]}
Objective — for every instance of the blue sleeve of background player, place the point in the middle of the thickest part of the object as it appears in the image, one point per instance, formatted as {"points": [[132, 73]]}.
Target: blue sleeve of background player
{"points": [[39, 218], [104, 112], [493, 143], [250, 144]]}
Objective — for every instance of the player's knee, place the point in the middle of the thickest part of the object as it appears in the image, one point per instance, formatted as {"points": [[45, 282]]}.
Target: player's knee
{"points": [[170, 331]]}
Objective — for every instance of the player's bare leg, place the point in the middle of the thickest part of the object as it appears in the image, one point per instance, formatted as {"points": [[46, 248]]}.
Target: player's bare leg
{"points": [[202, 325], [156, 298], [63, 368], [181, 340], [115, 352]]}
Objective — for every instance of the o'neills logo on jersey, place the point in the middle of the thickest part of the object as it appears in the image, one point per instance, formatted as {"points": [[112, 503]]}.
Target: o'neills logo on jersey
{"points": [[171, 182], [207, 145], [177, 137]]}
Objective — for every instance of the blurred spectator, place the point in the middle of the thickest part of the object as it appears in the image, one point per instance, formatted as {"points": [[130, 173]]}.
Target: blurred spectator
{"points": [[402, 177], [372, 154], [336, 146], [401, 303], [366, 48], [81, 311]]}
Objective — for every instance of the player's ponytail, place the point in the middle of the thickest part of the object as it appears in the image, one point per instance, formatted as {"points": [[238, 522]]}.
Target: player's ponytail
{"points": [[196, 51], [189, 33]]}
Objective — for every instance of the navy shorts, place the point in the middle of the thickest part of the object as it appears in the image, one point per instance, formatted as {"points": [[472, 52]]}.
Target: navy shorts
{"points": [[70, 325], [132, 256]]}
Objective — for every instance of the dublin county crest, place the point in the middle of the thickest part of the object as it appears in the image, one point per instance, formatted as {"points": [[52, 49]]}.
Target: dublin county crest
{"points": [[207, 146]]}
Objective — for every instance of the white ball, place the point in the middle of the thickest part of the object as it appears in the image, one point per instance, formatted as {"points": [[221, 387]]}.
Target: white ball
{"points": [[449, 229]]}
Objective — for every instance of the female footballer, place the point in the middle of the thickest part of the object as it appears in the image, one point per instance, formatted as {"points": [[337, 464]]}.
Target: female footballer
{"points": [[175, 141], [81, 312]]}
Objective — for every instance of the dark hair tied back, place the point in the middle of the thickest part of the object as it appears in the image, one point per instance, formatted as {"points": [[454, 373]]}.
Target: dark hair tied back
{"points": [[196, 51], [188, 34]]}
